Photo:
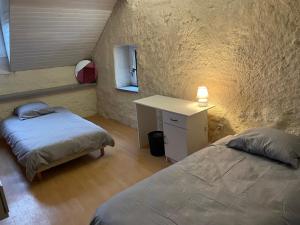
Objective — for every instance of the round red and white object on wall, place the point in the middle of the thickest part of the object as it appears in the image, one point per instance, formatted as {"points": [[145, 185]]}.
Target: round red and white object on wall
{"points": [[85, 72]]}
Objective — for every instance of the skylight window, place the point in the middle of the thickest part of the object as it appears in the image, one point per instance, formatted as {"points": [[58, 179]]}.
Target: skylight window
{"points": [[4, 68], [4, 37], [2, 46]]}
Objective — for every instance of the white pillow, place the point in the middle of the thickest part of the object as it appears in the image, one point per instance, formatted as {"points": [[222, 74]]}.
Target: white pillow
{"points": [[31, 110]]}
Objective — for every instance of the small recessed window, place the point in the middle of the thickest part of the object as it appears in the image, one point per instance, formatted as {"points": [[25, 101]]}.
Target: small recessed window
{"points": [[125, 57]]}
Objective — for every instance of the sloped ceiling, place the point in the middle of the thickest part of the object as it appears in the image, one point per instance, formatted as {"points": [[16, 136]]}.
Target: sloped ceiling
{"points": [[52, 33]]}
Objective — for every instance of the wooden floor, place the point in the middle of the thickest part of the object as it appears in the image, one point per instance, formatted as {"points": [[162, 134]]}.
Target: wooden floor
{"points": [[70, 193]]}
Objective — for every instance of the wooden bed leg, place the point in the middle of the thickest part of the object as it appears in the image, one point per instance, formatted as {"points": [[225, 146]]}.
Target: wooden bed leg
{"points": [[101, 152], [39, 176]]}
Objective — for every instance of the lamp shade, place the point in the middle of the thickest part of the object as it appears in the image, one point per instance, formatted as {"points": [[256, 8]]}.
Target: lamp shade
{"points": [[202, 92], [202, 95]]}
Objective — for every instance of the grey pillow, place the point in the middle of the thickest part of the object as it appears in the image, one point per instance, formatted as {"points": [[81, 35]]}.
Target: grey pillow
{"points": [[269, 142], [31, 110]]}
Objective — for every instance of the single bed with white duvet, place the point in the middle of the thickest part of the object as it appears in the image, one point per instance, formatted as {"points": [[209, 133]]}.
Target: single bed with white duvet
{"points": [[41, 142], [217, 185]]}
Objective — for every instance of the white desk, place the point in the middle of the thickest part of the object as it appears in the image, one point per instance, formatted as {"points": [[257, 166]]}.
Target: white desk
{"points": [[184, 124]]}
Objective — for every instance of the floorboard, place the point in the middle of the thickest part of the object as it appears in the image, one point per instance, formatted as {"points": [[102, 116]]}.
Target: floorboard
{"points": [[70, 193]]}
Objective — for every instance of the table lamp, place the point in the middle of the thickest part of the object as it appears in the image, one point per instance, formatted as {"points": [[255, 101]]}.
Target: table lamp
{"points": [[202, 96]]}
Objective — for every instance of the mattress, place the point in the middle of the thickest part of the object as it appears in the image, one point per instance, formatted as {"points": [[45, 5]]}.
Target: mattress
{"points": [[43, 140], [216, 185]]}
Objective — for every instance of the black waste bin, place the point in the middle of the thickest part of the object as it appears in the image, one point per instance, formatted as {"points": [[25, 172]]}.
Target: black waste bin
{"points": [[156, 142]]}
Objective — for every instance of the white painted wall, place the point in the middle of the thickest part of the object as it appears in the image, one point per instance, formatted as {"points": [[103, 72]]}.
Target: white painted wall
{"points": [[82, 102], [36, 79]]}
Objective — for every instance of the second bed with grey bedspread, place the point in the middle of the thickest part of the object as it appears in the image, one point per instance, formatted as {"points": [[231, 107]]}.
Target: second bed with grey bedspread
{"points": [[43, 140], [215, 186]]}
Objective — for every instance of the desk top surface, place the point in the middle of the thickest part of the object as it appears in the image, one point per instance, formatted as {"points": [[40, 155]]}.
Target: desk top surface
{"points": [[175, 105]]}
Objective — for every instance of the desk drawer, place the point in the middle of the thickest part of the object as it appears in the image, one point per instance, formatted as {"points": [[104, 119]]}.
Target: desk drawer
{"points": [[175, 119]]}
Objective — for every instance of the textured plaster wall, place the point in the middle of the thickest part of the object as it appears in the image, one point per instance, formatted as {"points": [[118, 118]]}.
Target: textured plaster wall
{"points": [[82, 102], [245, 51]]}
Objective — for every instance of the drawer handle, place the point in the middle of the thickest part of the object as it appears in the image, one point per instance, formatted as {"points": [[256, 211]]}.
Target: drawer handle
{"points": [[174, 120]]}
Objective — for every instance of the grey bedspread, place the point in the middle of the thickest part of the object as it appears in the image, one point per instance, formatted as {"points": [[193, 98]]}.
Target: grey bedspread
{"points": [[42, 140], [214, 186]]}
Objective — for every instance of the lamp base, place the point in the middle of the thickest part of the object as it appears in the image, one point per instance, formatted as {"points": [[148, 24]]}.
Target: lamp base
{"points": [[203, 102]]}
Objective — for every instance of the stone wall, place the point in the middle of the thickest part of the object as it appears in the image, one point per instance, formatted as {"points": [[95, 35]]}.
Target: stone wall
{"points": [[82, 102], [245, 51]]}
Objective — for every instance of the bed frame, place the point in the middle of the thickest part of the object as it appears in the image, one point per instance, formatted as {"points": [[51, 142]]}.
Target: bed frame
{"points": [[62, 161]]}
